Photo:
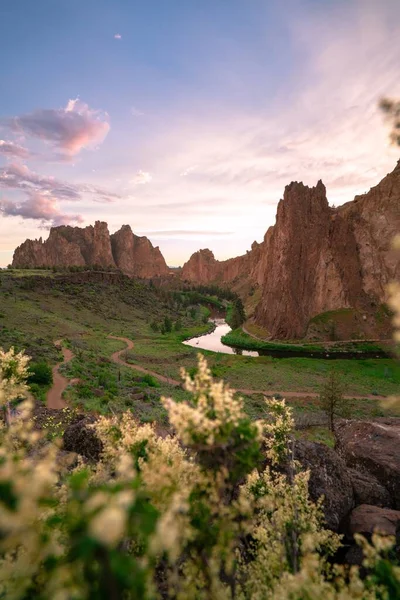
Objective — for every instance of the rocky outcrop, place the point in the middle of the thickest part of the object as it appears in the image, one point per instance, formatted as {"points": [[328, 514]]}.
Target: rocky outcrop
{"points": [[93, 246], [135, 255], [203, 267], [316, 258], [67, 246], [329, 478], [321, 259], [368, 490], [372, 447], [367, 519]]}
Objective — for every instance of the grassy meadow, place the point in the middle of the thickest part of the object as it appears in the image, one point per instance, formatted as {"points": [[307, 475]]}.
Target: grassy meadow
{"points": [[36, 310]]}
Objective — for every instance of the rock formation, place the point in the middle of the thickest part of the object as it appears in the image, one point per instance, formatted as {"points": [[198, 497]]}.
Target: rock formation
{"points": [[135, 255], [372, 448], [316, 258], [75, 246], [203, 267]]}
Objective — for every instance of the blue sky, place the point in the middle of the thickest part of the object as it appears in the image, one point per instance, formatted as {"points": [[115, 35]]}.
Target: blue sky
{"points": [[187, 118]]}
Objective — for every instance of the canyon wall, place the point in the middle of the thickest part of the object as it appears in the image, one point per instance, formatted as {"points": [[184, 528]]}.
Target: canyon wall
{"points": [[76, 246], [315, 258]]}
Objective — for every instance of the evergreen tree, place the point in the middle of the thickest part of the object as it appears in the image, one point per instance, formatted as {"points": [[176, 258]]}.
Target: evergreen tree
{"points": [[332, 400]]}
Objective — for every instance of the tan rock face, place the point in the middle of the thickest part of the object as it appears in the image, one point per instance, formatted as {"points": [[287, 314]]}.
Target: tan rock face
{"points": [[93, 245], [202, 267], [135, 255], [315, 258]]}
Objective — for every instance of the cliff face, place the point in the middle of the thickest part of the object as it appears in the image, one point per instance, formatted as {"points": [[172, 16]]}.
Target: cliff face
{"points": [[93, 245], [202, 267], [135, 255], [316, 258]]}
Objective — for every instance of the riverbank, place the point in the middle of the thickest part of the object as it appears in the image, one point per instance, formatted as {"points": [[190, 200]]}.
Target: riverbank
{"points": [[330, 350]]}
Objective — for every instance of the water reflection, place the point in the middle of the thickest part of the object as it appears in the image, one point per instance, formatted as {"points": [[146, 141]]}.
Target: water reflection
{"points": [[212, 341]]}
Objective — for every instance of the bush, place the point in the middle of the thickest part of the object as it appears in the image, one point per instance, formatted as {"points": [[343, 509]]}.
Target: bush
{"points": [[150, 380], [207, 513], [40, 373]]}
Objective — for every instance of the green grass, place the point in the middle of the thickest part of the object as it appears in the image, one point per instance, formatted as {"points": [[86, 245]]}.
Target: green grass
{"points": [[32, 317], [239, 339]]}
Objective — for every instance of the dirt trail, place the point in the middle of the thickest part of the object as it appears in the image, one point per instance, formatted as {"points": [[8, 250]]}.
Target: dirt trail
{"points": [[116, 357], [54, 395]]}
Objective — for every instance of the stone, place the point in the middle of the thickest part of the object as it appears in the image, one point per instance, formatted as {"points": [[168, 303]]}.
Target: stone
{"points": [[82, 439], [368, 490], [373, 448], [367, 519], [329, 477]]}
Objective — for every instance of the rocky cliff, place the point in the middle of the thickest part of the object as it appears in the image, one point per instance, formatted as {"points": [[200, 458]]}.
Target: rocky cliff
{"points": [[135, 255], [203, 267], [93, 245], [316, 258]]}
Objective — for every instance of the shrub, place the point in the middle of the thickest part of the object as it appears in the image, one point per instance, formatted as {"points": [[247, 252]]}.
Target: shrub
{"points": [[207, 513], [150, 380], [40, 373]]}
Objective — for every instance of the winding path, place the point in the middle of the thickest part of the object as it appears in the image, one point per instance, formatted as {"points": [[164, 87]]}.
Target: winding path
{"points": [[54, 395], [116, 357]]}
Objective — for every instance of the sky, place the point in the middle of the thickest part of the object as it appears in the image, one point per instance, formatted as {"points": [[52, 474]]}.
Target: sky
{"points": [[186, 118]]}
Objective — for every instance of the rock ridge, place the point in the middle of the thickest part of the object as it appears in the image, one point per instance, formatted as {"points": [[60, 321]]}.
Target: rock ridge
{"points": [[69, 246]]}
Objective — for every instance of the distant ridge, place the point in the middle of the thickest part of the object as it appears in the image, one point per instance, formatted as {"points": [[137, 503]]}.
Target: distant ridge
{"points": [[69, 246]]}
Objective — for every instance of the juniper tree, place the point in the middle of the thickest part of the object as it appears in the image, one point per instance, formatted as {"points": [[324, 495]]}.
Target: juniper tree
{"points": [[332, 401]]}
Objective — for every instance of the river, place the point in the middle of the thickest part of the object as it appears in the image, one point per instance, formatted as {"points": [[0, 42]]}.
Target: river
{"points": [[212, 341]]}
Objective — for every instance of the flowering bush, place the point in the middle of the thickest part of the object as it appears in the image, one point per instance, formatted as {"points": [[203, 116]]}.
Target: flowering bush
{"points": [[205, 513]]}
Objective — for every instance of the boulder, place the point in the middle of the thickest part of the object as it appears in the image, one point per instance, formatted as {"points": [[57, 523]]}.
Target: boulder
{"points": [[82, 439], [368, 490], [373, 448], [367, 519], [329, 477]]}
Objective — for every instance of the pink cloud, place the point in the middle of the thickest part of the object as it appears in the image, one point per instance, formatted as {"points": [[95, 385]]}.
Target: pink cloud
{"points": [[10, 149], [20, 177], [39, 207], [69, 129]]}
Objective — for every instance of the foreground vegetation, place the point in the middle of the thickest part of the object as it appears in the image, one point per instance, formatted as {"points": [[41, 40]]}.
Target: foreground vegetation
{"points": [[218, 511]]}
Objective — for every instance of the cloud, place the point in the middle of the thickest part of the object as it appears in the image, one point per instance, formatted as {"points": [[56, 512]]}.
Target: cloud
{"points": [[182, 232], [135, 112], [117, 36], [141, 178], [20, 177], [13, 150], [69, 130], [38, 207], [189, 170]]}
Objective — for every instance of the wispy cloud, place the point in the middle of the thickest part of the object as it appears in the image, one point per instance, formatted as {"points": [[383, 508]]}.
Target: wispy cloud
{"points": [[182, 232], [135, 112], [141, 178], [117, 36], [12, 150], [68, 130], [20, 177]]}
